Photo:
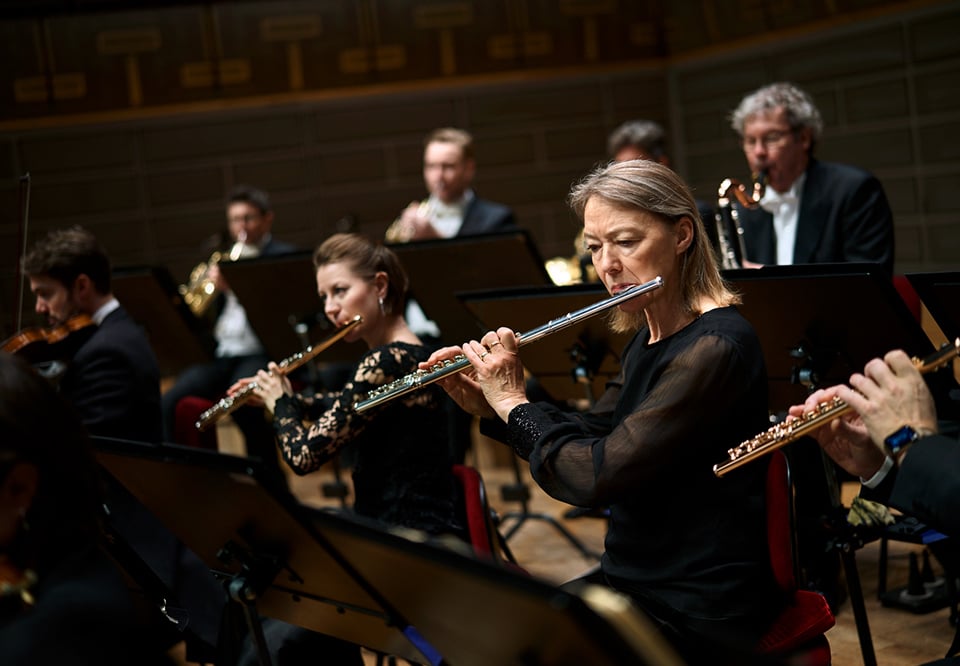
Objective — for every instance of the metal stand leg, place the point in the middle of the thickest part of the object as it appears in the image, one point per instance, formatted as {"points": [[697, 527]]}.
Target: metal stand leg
{"points": [[848, 557], [519, 492]]}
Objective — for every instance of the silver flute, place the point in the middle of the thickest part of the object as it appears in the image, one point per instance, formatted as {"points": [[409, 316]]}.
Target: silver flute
{"points": [[421, 378]]}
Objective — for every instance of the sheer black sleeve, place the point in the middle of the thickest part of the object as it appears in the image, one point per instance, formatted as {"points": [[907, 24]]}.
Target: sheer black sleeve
{"points": [[601, 456]]}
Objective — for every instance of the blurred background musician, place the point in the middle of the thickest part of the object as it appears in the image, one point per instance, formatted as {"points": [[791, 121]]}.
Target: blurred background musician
{"points": [[402, 475], [647, 140], [452, 208], [112, 380], [67, 602], [698, 563], [812, 211], [239, 353]]}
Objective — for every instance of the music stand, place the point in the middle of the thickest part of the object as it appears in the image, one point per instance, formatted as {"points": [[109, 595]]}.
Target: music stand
{"points": [[569, 364], [940, 293], [393, 592], [438, 269], [178, 338], [820, 323], [278, 293]]}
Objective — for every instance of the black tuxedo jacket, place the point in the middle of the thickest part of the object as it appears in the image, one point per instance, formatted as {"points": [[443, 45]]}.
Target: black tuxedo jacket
{"points": [[926, 485], [485, 217], [113, 381], [844, 217]]}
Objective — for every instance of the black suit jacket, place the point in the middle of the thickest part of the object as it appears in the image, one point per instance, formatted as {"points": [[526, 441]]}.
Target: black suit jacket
{"points": [[485, 217], [844, 217], [926, 485], [113, 381]]}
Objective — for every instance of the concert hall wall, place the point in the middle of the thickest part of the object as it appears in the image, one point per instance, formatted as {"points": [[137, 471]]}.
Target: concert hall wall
{"points": [[135, 123]]}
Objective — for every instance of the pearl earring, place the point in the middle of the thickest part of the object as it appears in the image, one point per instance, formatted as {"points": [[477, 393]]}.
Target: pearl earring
{"points": [[382, 311]]}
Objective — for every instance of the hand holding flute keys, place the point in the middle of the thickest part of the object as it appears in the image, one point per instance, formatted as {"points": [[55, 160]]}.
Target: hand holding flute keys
{"points": [[268, 386], [495, 384]]}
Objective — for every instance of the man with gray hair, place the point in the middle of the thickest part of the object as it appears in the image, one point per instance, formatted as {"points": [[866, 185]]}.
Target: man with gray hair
{"points": [[811, 212]]}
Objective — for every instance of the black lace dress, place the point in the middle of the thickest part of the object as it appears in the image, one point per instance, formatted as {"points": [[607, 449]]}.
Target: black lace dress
{"points": [[402, 474]]}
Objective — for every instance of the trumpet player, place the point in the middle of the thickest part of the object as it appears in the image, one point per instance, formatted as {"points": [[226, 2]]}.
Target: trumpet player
{"points": [[239, 352], [451, 208], [811, 211]]}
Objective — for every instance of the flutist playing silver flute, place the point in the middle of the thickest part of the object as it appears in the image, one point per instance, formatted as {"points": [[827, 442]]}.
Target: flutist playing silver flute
{"points": [[687, 547]]}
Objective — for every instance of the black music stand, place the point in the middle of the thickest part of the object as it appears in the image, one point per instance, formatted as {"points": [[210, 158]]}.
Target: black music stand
{"points": [[940, 293], [439, 269], [178, 338], [818, 324], [571, 364], [394, 592], [279, 294]]}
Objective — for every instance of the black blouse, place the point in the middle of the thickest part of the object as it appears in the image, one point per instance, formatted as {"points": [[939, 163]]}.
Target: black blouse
{"points": [[678, 535]]}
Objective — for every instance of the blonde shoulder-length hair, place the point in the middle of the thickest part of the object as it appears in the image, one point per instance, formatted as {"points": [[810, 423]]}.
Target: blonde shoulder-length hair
{"points": [[649, 187]]}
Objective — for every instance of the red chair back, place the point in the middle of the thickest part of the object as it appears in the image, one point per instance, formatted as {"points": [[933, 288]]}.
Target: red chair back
{"points": [[185, 433], [800, 628]]}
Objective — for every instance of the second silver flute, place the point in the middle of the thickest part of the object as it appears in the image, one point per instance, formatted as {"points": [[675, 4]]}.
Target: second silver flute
{"points": [[421, 378]]}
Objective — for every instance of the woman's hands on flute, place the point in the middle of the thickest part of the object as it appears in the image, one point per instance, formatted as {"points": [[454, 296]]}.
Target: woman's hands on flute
{"points": [[270, 385], [495, 384]]}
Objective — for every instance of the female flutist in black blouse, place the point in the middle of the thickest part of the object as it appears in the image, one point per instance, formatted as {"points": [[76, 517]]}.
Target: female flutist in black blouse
{"points": [[688, 547]]}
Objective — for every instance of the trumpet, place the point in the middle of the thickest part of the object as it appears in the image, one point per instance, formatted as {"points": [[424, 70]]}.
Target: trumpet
{"points": [[398, 232], [421, 378], [199, 289], [790, 431], [228, 404], [733, 251]]}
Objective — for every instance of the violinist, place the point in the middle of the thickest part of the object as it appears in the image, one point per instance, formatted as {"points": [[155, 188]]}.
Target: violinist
{"points": [[113, 382], [62, 599], [112, 379]]}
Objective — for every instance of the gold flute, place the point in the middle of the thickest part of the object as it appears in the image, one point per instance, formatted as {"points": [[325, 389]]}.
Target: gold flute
{"points": [[420, 378], [790, 431], [229, 403]]}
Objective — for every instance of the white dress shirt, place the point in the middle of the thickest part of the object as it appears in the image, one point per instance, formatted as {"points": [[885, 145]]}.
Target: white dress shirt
{"points": [[785, 208]]}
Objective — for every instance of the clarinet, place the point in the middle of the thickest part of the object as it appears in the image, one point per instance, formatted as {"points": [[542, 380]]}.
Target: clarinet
{"points": [[420, 378], [790, 431]]}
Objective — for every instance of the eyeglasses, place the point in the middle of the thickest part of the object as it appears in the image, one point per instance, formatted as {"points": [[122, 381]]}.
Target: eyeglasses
{"points": [[774, 138], [243, 219]]}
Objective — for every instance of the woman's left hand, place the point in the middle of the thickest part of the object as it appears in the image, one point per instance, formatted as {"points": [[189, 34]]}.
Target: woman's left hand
{"points": [[498, 370]]}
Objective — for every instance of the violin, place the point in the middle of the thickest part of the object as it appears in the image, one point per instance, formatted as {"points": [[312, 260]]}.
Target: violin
{"points": [[15, 582], [48, 344]]}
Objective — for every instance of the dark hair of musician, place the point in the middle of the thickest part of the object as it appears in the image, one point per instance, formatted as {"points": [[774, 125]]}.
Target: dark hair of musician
{"points": [[251, 195], [38, 427], [367, 258], [650, 187], [461, 138], [65, 254], [644, 134]]}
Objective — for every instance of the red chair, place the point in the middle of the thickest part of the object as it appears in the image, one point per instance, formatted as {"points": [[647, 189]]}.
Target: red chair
{"points": [[797, 636], [487, 542], [185, 433]]}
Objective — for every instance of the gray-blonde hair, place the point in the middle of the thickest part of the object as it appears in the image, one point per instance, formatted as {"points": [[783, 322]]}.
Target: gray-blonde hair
{"points": [[650, 187]]}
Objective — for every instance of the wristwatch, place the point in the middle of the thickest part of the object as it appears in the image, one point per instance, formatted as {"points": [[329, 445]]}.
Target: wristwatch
{"points": [[897, 442]]}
